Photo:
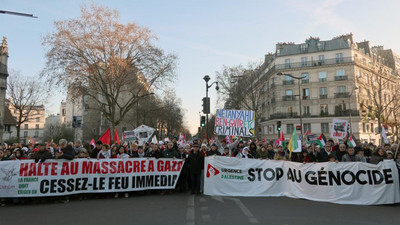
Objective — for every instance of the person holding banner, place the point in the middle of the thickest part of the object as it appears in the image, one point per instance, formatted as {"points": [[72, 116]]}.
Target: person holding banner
{"points": [[280, 155], [105, 152], [122, 153], [170, 152], [378, 156], [350, 156], [322, 156], [66, 151], [262, 153], [155, 152], [96, 150], [213, 150]]}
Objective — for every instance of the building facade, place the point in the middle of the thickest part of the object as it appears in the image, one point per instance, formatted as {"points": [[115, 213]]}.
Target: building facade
{"points": [[3, 83], [31, 130], [337, 78]]}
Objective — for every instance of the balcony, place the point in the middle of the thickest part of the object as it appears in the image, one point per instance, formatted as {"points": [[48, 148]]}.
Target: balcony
{"points": [[339, 78], [288, 98], [305, 81], [307, 114], [322, 79], [346, 112], [342, 95], [323, 96], [288, 82], [306, 97], [283, 115], [316, 63]]}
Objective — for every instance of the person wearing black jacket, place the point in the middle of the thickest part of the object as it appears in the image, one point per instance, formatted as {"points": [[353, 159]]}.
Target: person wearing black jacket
{"points": [[96, 150], [213, 150], [195, 162], [66, 151], [155, 152], [42, 154]]}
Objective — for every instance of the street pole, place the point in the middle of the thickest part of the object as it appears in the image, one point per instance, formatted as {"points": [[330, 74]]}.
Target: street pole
{"points": [[350, 116], [207, 78]]}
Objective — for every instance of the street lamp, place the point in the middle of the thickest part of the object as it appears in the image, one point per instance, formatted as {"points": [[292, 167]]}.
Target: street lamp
{"points": [[298, 79], [207, 78], [351, 93]]}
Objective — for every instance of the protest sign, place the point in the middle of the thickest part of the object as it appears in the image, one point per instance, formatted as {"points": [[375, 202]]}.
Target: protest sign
{"points": [[26, 178], [130, 135], [143, 133], [339, 128], [344, 183], [235, 123]]}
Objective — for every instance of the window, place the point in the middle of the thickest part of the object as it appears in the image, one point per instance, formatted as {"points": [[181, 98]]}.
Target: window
{"points": [[289, 92], [324, 109], [358, 74], [306, 126], [306, 93], [323, 92], [37, 119], [36, 133], [303, 47], [321, 46], [367, 126], [322, 76], [304, 78], [289, 128], [341, 89], [321, 60], [303, 61], [26, 126], [63, 112], [339, 72], [363, 127], [25, 133], [290, 110], [37, 126], [339, 57], [372, 127], [325, 127], [288, 78], [306, 110], [287, 63]]}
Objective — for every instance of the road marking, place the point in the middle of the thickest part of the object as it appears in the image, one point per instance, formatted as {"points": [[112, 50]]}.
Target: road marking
{"points": [[190, 211], [245, 210], [202, 199]]}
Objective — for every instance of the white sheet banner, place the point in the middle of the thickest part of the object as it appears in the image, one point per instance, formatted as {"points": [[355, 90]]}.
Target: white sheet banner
{"points": [[26, 178], [345, 183]]}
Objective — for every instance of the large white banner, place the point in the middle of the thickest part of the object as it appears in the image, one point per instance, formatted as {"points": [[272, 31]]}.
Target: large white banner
{"points": [[26, 178], [345, 183], [235, 123]]}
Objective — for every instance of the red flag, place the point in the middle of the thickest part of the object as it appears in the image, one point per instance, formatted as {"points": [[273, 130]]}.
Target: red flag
{"points": [[116, 137], [106, 137], [307, 133]]}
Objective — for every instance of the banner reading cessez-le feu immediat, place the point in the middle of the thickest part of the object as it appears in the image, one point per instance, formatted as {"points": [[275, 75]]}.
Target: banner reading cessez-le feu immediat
{"points": [[345, 183], [26, 178]]}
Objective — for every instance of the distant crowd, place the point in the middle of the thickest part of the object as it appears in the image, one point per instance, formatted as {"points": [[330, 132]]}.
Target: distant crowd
{"points": [[193, 153]]}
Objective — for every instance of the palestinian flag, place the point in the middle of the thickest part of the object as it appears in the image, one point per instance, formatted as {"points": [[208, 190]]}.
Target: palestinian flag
{"points": [[282, 141], [321, 141], [351, 143]]}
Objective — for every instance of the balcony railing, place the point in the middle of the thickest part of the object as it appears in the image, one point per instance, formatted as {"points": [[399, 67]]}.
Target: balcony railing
{"points": [[322, 79], [283, 115], [338, 78], [314, 63], [288, 98], [323, 96], [306, 97], [288, 82], [305, 81], [342, 95]]}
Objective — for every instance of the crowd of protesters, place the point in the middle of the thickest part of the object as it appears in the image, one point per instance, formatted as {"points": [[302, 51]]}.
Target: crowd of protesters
{"points": [[193, 153]]}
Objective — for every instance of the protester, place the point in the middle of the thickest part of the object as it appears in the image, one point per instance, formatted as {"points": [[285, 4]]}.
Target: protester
{"points": [[122, 153], [66, 151], [226, 152], [139, 153], [195, 162], [378, 156], [322, 156], [155, 152], [262, 153], [213, 150], [42, 154], [350, 156], [96, 150], [170, 151], [280, 154], [105, 152], [342, 151], [360, 155]]}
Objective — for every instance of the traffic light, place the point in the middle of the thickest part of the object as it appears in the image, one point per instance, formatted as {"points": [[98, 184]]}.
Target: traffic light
{"points": [[278, 125], [203, 121], [206, 105]]}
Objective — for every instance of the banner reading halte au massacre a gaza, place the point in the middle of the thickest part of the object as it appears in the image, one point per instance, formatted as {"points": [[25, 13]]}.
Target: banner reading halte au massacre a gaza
{"points": [[26, 178], [234, 123], [344, 183]]}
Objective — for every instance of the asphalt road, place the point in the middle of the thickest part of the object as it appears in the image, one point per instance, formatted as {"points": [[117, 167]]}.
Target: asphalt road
{"points": [[189, 209]]}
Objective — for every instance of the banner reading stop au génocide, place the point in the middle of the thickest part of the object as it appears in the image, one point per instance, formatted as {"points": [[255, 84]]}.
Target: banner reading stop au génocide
{"points": [[345, 183], [26, 178], [234, 123]]}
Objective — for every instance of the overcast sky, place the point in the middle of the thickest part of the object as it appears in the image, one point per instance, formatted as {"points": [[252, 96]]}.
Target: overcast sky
{"points": [[206, 34]]}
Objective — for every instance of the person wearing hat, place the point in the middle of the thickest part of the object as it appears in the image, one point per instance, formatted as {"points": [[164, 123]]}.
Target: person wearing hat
{"points": [[204, 150], [389, 154], [245, 153], [195, 162], [213, 150]]}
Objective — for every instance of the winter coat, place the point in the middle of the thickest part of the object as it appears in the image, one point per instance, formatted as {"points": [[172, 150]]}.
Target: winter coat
{"points": [[41, 156], [68, 153], [262, 155], [211, 152], [195, 162], [170, 153], [375, 159], [154, 154], [323, 156], [348, 158]]}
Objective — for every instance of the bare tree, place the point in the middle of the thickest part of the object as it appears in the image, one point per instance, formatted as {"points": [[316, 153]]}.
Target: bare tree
{"points": [[240, 89], [111, 63], [26, 95], [380, 98]]}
